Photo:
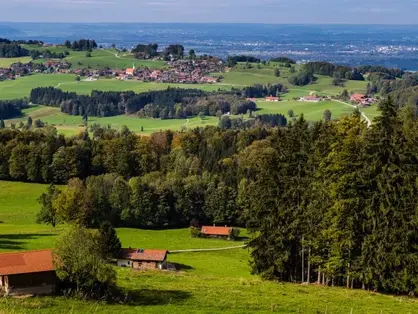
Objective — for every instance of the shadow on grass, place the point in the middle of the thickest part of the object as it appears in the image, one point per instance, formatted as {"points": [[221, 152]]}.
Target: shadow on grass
{"points": [[182, 266], [156, 297], [17, 241]]}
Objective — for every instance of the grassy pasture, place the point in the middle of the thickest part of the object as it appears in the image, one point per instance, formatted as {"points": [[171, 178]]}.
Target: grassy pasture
{"points": [[72, 125], [7, 62], [100, 58], [22, 87], [238, 77], [207, 282], [311, 111]]}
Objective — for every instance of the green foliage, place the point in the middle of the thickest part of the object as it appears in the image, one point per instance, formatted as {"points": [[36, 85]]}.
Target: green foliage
{"points": [[196, 232], [302, 78], [327, 115], [109, 241], [78, 263], [291, 113], [48, 213]]}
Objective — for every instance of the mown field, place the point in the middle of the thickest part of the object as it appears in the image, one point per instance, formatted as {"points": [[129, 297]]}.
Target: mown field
{"points": [[209, 282], [72, 125]]}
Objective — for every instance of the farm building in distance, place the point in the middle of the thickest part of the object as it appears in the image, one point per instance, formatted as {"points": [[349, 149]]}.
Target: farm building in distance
{"points": [[143, 259], [31, 272], [362, 100], [310, 99], [271, 98], [220, 232]]}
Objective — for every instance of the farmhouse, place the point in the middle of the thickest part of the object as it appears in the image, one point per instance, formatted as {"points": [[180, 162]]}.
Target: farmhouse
{"points": [[310, 99], [143, 259], [362, 100], [29, 272], [130, 71], [217, 232], [252, 99], [271, 98]]}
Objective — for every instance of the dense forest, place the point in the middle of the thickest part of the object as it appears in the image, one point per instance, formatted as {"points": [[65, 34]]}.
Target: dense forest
{"points": [[334, 202], [12, 108], [166, 104], [12, 50]]}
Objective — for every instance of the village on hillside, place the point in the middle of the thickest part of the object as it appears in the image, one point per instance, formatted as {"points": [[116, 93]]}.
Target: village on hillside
{"points": [[190, 71]]}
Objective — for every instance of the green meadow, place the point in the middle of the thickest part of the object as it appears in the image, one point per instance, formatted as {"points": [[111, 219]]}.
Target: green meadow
{"points": [[239, 77], [100, 58], [72, 125], [205, 282]]}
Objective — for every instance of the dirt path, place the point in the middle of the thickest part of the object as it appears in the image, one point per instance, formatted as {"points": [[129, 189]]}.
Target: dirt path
{"points": [[369, 122], [187, 122], [112, 53]]}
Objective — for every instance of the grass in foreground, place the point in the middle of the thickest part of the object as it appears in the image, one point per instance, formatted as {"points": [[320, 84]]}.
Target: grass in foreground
{"points": [[208, 282]]}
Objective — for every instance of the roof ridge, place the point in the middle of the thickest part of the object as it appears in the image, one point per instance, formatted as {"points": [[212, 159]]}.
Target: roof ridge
{"points": [[30, 251]]}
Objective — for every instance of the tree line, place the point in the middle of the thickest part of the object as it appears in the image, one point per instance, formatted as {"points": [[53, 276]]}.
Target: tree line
{"points": [[259, 91], [21, 42], [12, 50], [47, 54], [284, 60], [81, 44], [262, 120], [146, 51], [233, 60], [335, 203], [12, 108], [165, 104], [336, 71]]}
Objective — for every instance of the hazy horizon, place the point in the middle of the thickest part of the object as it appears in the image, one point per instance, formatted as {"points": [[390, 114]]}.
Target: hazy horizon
{"points": [[357, 12]]}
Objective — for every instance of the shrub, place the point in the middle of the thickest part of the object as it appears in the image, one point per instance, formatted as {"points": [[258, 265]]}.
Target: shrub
{"points": [[196, 233]]}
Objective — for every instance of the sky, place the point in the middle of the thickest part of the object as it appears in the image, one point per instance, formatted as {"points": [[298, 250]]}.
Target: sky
{"points": [[216, 11]]}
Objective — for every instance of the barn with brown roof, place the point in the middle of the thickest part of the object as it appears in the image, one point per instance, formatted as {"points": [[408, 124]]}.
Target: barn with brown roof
{"points": [[218, 232], [30, 272], [143, 259]]}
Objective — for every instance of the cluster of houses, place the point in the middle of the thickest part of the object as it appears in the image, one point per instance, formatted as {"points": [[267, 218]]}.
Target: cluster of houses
{"points": [[180, 71], [18, 69], [33, 272], [362, 100]]}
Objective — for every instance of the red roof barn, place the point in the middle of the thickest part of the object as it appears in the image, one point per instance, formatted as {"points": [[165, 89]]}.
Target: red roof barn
{"points": [[217, 232], [31, 272], [271, 98]]}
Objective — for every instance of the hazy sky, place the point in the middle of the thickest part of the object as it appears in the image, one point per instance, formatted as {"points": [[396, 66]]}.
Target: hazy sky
{"points": [[236, 11]]}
